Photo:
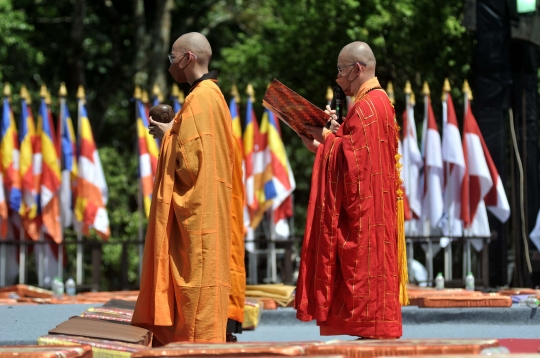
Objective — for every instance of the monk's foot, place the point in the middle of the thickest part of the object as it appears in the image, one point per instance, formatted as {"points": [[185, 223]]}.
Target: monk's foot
{"points": [[231, 338], [366, 338]]}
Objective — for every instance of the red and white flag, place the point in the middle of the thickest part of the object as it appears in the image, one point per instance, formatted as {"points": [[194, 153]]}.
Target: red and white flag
{"points": [[432, 205], [482, 187], [412, 163], [454, 170]]}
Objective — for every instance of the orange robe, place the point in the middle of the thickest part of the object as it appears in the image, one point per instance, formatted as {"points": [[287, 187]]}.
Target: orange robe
{"points": [[186, 277], [238, 268], [348, 279]]}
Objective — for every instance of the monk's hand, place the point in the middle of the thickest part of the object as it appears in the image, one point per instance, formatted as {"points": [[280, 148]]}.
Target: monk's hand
{"points": [[333, 126], [311, 144], [331, 113], [158, 129], [317, 132]]}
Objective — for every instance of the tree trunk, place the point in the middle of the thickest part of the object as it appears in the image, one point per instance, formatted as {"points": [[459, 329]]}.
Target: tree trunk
{"points": [[161, 34]]}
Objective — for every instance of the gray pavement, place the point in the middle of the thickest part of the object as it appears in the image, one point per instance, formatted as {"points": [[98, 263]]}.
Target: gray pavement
{"points": [[24, 324]]}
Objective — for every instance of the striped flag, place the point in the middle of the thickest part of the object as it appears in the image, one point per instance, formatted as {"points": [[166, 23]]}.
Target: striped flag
{"points": [[68, 148], [92, 192], [454, 168], [9, 146], [176, 97], [282, 182], [50, 179], [29, 184], [432, 206], [482, 187], [148, 155], [251, 154]]}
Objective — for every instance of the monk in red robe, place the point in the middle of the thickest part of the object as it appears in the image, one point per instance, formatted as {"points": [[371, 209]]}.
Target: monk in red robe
{"points": [[352, 277], [186, 275]]}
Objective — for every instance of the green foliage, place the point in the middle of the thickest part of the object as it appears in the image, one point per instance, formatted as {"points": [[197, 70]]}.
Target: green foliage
{"points": [[253, 41]]}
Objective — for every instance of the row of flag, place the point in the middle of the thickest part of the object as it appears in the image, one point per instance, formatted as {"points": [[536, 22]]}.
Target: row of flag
{"points": [[450, 181], [268, 178], [50, 180]]}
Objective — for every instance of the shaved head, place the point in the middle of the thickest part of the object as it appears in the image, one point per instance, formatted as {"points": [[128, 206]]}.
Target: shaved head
{"points": [[358, 52], [197, 44]]}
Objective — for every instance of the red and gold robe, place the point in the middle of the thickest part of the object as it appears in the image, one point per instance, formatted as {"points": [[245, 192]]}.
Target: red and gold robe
{"points": [[349, 279], [186, 275]]}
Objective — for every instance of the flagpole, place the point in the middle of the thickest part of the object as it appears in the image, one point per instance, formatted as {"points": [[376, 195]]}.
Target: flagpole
{"points": [[426, 227], [80, 247], [450, 222], [62, 93], [140, 208], [467, 96], [409, 102]]}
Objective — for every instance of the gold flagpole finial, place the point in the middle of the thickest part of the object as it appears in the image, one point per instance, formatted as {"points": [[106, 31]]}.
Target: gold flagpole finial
{"points": [[174, 90], [48, 99], [408, 88], [390, 92], [445, 90], [181, 97], [250, 92], [329, 94], [137, 92], [80, 92], [43, 91], [62, 92], [144, 96], [156, 92], [425, 89], [24, 93], [235, 94], [7, 90], [467, 90], [412, 99]]}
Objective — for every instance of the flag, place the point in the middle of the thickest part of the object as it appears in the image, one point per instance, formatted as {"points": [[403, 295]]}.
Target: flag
{"points": [[176, 104], [92, 192], [9, 146], [29, 184], [412, 162], [251, 157], [49, 175], [282, 182], [148, 156], [454, 168], [406, 206], [68, 148], [482, 187], [432, 205]]}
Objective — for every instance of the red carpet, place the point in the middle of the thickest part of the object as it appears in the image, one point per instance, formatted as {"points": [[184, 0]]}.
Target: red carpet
{"points": [[521, 345]]}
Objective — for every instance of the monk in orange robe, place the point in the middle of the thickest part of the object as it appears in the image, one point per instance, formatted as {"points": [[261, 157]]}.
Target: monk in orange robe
{"points": [[186, 276], [352, 278]]}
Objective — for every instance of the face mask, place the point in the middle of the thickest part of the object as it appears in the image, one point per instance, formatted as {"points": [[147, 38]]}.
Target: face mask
{"points": [[178, 73], [345, 84]]}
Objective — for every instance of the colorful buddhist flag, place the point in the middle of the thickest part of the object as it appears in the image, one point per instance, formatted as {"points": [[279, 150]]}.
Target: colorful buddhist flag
{"points": [[9, 146], [29, 184], [68, 148], [251, 154], [148, 156], [92, 192], [50, 180]]}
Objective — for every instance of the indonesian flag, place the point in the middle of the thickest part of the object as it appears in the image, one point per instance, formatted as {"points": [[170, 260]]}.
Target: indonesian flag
{"points": [[412, 162], [92, 192], [407, 209], [454, 168], [432, 208], [482, 186], [535, 234]]}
